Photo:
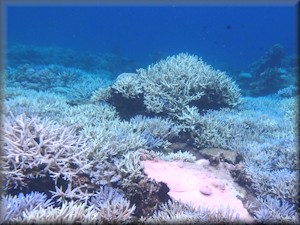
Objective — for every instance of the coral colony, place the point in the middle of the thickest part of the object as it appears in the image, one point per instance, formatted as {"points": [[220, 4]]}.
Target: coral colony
{"points": [[176, 142]]}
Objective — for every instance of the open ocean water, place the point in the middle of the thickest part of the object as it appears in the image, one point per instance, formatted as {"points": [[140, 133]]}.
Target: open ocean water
{"points": [[150, 113]]}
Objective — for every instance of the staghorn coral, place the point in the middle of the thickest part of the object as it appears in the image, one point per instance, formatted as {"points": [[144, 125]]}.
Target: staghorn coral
{"points": [[69, 213], [262, 129], [185, 79], [179, 155], [281, 184], [255, 120], [56, 107], [174, 212], [188, 118], [101, 94], [128, 85], [76, 85], [290, 107], [86, 116], [34, 103], [34, 148], [271, 210], [130, 164], [170, 85], [113, 137], [12, 207], [112, 206], [79, 193], [157, 131], [81, 90]]}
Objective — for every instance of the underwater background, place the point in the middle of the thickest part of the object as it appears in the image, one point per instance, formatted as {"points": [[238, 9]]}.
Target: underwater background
{"points": [[225, 36], [101, 100]]}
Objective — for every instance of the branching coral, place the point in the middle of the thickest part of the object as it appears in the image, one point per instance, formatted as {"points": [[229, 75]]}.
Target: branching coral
{"points": [[177, 103], [80, 91], [157, 132], [128, 85], [185, 79], [33, 148], [12, 207], [34, 103], [113, 137], [179, 155], [69, 213], [107, 206], [275, 210], [130, 164], [112, 206], [177, 212], [171, 85]]}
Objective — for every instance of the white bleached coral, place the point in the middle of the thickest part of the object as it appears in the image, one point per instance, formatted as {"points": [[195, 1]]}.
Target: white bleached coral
{"points": [[112, 206], [169, 86], [173, 212], [179, 155], [12, 207], [128, 85], [70, 213], [179, 80], [35, 147]]}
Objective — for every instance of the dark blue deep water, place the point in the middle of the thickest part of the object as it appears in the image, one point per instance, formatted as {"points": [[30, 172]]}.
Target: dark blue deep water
{"points": [[230, 36]]}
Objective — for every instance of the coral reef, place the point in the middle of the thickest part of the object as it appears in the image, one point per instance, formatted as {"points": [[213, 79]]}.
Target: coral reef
{"points": [[272, 72], [43, 77], [112, 206], [86, 149], [288, 92], [76, 85], [274, 210], [35, 148], [169, 86], [179, 155], [12, 207], [176, 212], [271, 58], [69, 212], [112, 62]]}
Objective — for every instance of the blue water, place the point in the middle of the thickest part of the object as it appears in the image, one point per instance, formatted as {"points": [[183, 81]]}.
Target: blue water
{"points": [[224, 36], [99, 129]]}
